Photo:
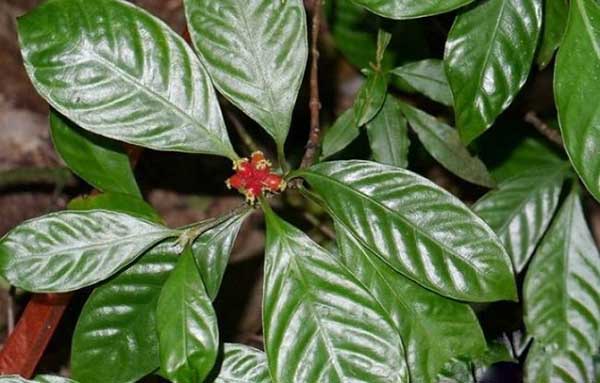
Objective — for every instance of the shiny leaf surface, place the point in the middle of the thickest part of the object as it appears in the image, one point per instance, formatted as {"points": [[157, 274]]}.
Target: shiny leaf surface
{"points": [[100, 161], [443, 143], [410, 9], [520, 210], [488, 56], [212, 249], [187, 325], [116, 202], [575, 84], [69, 250], [432, 327], [37, 379], [340, 134], [419, 229], [115, 338], [555, 23], [255, 52], [117, 71], [320, 323], [388, 135], [426, 77], [562, 300], [370, 98], [243, 364]]}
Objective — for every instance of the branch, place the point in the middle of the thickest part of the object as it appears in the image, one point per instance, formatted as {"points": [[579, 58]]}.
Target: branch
{"points": [[314, 103], [550, 134]]}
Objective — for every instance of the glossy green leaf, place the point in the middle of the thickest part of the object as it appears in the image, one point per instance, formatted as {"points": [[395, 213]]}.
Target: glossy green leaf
{"points": [[472, 370], [410, 9], [187, 325], [340, 134], [116, 202], [255, 52], [370, 98], [320, 323], [562, 300], [576, 86], [388, 135], [497, 352], [443, 143], [419, 229], [100, 161], [69, 250], [243, 364], [117, 71], [488, 56], [555, 23], [520, 210], [432, 328], [426, 77], [212, 249], [37, 379], [115, 338]]}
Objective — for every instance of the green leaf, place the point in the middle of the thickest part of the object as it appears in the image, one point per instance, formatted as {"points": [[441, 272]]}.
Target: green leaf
{"points": [[117, 71], [212, 249], [562, 300], [370, 98], [432, 328], [255, 52], [457, 371], [37, 379], [521, 209], [575, 86], [320, 323], [488, 56], [340, 134], [497, 352], [555, 23], [410, 9], [187, 325], [115, 338], [116, 202], [426, 77], [100, 161], [443, 143], [69, 250], [388, 135], [243, 364], [419, 229]]}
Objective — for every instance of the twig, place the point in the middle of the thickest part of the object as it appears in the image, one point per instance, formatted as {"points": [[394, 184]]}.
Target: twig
{"points": [[314, 103], [32, 175], [241, 131], [550, 134]]}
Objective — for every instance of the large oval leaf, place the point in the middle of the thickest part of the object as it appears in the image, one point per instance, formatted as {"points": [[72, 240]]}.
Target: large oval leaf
{"points": [[432, 328], [69, 250], [255, 52], [117, 71], [555, 23], [488, 56], [115, 338], [123, 203], [243, 364], [576, 71], [320, 323], [426, 77], [388, 135], [418, 228], [187, 325], [562, 300], [410, 9], [100, 161], [521, 209]]}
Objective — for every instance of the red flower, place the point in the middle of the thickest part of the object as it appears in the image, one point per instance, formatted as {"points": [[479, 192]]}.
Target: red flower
{"points": [[253, 177]]}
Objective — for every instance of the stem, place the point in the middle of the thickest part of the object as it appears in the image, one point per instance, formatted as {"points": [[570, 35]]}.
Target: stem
{"points": [[281, 159], [27, 176], [314, 103], [550, 134]]}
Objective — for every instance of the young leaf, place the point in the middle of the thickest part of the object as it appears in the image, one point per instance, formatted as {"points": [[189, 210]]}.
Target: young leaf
{"points": [[488, 57], [340, 134], [116, 202], [562, 300], [320, 323], [396, 214], [117, 71], [426, 77], [255, 52], [370, 98], [115, 338], [100, 161], [555, 23], [68, 250], [187, 325], [521, 209], [410, 9], [243, 364], [211, 251], [443, 143], [576, 71], [388, 135], [432, 327]]}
